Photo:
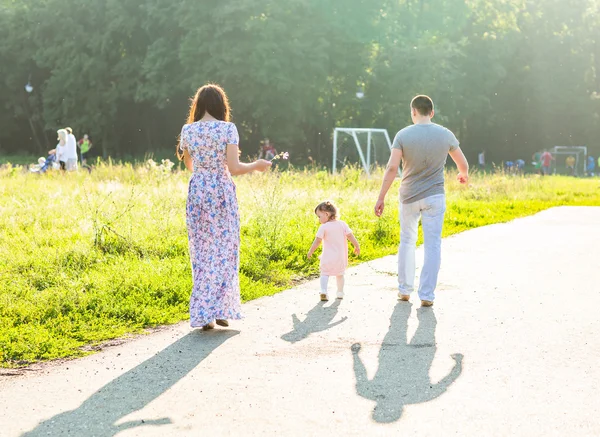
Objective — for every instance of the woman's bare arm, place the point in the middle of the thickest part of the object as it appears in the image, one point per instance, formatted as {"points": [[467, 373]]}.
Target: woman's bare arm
{"points": [[239, 168]]}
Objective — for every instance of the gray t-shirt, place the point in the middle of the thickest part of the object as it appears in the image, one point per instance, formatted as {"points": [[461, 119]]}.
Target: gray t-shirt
{"points": [[424, 148]]}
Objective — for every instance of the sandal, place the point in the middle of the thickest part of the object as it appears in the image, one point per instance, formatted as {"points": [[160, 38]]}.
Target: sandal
{"points": [[208, 326]]}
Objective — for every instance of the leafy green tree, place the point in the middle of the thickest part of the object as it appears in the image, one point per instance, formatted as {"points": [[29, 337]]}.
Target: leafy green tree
{"points": [[508, 76]]}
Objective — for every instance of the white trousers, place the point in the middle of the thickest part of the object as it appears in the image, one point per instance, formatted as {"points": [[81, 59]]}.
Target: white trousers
{"points": [[71, 164], [431, 212]]}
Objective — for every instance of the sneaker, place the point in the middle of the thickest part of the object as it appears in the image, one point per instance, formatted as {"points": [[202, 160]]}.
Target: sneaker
{"points": [[404, 297], [340, 294], [426, 303], [222, 322], [324, 297]]}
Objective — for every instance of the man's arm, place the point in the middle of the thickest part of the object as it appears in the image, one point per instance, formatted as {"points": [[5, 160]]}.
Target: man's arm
{"points": [[459, 159], [388, 179]]}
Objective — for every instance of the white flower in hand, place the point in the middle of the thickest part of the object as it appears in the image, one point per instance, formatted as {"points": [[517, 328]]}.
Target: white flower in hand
{"points": [[283, 155]]}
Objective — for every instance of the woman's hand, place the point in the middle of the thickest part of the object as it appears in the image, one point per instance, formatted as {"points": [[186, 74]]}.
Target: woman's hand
{"points": [[262, 165], [237, 168], [379, 206]]}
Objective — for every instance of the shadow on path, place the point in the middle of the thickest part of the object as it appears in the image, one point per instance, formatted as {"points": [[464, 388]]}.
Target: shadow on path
{"points": [[317, 319], [403, 374], [132, 391]]}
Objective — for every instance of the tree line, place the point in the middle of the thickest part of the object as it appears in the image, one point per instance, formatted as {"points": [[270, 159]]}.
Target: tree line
{"points": [[508, 76]]}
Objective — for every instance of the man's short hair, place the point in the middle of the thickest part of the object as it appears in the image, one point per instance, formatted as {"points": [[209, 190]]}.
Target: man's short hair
{"points": [[423, 105]]}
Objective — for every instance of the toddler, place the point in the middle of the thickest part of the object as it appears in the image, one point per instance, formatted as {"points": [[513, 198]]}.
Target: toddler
{"points": [[334, 260]]}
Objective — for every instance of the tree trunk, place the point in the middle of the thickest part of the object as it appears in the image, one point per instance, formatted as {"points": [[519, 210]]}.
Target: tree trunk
{"points": [[35, 136], [32, 125]]}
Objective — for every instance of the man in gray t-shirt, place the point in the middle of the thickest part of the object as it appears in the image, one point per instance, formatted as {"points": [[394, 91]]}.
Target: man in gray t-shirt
{"points": [[423, 149]]}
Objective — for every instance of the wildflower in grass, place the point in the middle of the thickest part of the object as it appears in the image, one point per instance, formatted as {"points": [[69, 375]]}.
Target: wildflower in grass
{"points": [[164, 168], [166, 165]]}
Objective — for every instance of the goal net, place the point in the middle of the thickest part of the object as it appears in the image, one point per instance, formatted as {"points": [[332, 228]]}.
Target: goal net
{"points": [[563, 153], [367, 146]]}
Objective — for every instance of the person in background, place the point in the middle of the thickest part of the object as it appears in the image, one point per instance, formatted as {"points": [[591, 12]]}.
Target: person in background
{"points": [[45, 163], [84, 147], [520, 166], [482, 160], [570, 163], [61, 148], [267, 151], [537, 162], [591, 166], [71, 150], [546, 158]]}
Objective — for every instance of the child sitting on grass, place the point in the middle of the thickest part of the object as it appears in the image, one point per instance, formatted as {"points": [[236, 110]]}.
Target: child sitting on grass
{"points": [[334, 260]]}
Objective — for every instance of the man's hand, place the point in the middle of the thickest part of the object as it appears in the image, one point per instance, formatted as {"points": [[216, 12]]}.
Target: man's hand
{"points": [[391, 171], [379, 206], [461, 163], [356, 250], [309, 254]]}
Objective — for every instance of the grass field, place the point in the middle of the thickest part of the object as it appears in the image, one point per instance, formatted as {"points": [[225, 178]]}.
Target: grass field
{"points": [[89, 257]]}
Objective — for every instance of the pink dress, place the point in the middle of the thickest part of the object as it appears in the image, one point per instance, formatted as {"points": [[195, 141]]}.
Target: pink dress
{"points": [[213, 223], [334, 259]]}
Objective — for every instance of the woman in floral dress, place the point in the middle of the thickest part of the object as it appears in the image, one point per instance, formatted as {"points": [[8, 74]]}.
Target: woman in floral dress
{"points": [[209, 147]]}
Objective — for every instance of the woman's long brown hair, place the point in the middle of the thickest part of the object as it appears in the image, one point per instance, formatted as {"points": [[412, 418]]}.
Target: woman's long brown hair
{"points": [[211, 99]]}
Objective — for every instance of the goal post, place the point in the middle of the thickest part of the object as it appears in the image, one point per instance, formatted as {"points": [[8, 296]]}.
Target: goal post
{"points": [[365, 158]]}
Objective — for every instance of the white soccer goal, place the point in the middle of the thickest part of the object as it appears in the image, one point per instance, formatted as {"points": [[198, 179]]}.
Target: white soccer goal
{"points": [[365, 158], [579, 152]]}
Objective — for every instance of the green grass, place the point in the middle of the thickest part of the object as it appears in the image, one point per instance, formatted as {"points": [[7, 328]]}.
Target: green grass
{"points": [[86, 258]]}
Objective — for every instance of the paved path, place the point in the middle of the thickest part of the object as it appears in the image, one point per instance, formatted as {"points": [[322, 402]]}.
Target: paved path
{"points": [[511, 348]]}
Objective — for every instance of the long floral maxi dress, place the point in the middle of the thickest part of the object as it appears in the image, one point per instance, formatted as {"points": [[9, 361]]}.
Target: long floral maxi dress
{"points": [[213, 223]]}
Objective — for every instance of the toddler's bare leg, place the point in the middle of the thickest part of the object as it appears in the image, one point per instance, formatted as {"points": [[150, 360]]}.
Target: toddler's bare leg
{"points": [[340, 286]]}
